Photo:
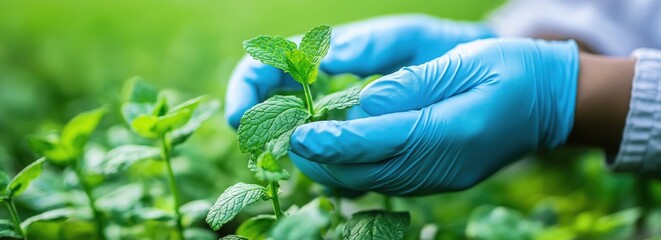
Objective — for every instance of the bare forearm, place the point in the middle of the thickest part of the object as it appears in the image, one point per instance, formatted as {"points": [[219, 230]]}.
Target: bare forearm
{"points": [[602, 101]]}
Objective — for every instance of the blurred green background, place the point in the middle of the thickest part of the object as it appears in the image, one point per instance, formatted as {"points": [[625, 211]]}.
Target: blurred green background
{"points": [[58, 58]]}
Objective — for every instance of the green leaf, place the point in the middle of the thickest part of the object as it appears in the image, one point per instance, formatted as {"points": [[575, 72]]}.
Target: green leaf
{"points": [[256, 228], [280, 146], [172, 120], [270, 50], [49, 216], [201, 114], [137, 90], [22, 180], [306, 223], [268, 120], [315, 43], [232, 201], [301, 67], [131, 111], [143, 125], [161, 107], [233, 237], [8, 229], [338, 100], [49, 146], [190, 104], [489, 222], [121, 158], [377, 225], [269, 169], [78, 130]]}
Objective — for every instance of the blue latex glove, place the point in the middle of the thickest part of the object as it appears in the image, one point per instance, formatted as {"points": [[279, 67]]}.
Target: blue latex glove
{"points": [[375, 46], [449, 123]]}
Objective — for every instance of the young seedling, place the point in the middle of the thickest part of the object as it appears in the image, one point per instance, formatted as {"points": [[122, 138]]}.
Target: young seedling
{"points": [[67, 149], [149, 115], [13, 188], [264, 132]]}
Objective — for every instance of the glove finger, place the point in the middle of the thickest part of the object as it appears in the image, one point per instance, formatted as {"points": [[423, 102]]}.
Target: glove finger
{"points": [[354, 141], [419, 86], [375, 46]]}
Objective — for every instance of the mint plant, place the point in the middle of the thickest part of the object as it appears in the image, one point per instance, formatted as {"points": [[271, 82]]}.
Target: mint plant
{"points": [[264, 133], [148, 113], [67, 149], [13, 188]]}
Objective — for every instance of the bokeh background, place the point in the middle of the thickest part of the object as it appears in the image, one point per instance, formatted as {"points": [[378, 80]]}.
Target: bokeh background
{"points": [[59, 58]]}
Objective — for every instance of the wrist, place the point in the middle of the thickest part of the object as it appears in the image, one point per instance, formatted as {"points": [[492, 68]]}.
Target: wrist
{"points": [[602, 101]]}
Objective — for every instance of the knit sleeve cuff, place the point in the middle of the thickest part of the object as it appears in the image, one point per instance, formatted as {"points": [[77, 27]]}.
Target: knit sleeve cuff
{"points": [[640, 149]]}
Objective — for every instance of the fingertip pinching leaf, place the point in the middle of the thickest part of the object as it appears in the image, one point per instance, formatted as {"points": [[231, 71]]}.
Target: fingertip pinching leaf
{"points": [[232, 201], [268, 120], [22, 180], [270, 50], [377, 225]]}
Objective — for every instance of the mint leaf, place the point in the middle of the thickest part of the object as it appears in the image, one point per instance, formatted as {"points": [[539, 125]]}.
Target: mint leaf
{"points": [[137, 90], [256, 228], [190, 104], [315, 44], [269, 169], [8, 229], [22, 180], [338, 100], [270, 50], [78, 130], [377, 225], [150, 214], [314, 216], [121, 158], [49, 146], [202, 113], [301, 67], [280, 146], [269, 120], [194, 211], [4, 181], [48, 216], [232, 201], [150, 126]]}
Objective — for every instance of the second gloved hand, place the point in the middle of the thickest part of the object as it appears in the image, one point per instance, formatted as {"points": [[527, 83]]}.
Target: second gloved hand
{"points": [[449, 123]]}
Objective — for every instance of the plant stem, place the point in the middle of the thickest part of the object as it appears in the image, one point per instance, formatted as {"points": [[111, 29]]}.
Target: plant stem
{"points": [[273, 186], [15, 217], [387, 203], [308, 98], [98, 218], [173, 186]]}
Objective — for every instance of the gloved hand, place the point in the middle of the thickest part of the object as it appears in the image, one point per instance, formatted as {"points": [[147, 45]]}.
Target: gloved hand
{"points": [[376, 46], [449, 123]]}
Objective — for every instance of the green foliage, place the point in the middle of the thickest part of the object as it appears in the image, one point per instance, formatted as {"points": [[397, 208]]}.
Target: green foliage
{"points": [[257, 227], [268, 120], [8, 230], [121, 158], [269, 169], [22, 180], [314, 216], [232, 201], [488, 222], [302, 63], [233, 237], [377, 225], [338, 100], [69, 145], [48, 216]]}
